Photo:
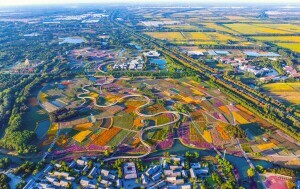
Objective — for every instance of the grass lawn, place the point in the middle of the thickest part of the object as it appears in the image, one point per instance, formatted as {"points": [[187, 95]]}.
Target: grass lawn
{"points": [[34, 115], [124, 121], [161, 134]]}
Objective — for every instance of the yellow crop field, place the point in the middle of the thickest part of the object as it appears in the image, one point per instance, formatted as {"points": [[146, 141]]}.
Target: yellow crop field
{"points": [[83, 126], [292, 46], [239, 118], [286, 27], [254, 29], [266, 146], [167, 35], [196, 36], [218, 28], [207, 136], [81, 135], [288, 91], [221, 37], [293, 39]]}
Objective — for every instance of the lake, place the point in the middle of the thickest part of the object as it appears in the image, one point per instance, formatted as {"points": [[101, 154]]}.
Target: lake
{"points": [[42, 128], [161, 63]]}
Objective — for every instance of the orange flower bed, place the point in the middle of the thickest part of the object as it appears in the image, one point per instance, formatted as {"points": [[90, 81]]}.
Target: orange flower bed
{"points": [[244, 109], [83, 126], [136, 142], [105, 136], [225, 109], [130, 108], [138, 122], [207, 136], [62, 140], [222, 133]]}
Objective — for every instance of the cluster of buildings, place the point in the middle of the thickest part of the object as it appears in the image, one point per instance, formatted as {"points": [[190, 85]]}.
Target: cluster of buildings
{"points": [[85, 18], [138, 63], [171, 173], [292, 72], [135, 64], [160, 23], [253, 69], [51, 178]]}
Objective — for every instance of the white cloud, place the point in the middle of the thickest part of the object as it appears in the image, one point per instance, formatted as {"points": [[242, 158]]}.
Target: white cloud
{"points": [[29, 2]]}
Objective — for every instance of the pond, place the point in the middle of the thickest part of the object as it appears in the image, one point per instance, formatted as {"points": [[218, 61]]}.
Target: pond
{"points": [[42, 128], [72, 40], [161, 63]]}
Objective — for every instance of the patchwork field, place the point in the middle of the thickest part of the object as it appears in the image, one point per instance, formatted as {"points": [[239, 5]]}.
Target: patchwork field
{"points": [[195, 38], [117, 127]]}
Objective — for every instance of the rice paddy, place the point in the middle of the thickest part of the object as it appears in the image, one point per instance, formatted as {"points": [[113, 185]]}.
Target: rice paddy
{"points": [[292, 46], [287, 91], [255, 29]]}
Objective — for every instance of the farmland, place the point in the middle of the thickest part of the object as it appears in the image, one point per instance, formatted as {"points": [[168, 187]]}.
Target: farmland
{"points": [[287, 91], [255, 29], [194, 37], [291, 46], [289, 39], [216, 85]]}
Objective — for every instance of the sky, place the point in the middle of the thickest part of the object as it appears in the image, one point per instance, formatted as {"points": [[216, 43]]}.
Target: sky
{"points": [[38, 2]]}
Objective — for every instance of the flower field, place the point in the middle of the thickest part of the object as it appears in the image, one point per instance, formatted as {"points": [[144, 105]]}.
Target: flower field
{"points": [[138, 122], [222, 133], [266, 146], [81, 135], [124, 121], [53, 129], [118, 138], [239, 118], [94, 95], [83, 126], [105, 136], [207, 136]]}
